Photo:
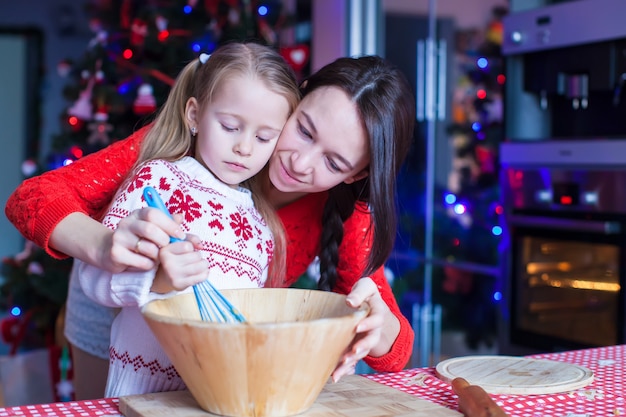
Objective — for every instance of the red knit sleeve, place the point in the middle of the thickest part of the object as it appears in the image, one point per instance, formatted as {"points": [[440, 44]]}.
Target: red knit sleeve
{"points": [[302, 220], [353, 255], [86, 186], [400, 353]]}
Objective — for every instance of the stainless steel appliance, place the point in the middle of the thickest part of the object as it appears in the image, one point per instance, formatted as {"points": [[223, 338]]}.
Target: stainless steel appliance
{"points": [[563, 177], [565, 265], [566, 71]]}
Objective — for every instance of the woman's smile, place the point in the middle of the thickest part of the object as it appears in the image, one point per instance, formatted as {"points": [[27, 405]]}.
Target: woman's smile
{"points": [[287, 175]]}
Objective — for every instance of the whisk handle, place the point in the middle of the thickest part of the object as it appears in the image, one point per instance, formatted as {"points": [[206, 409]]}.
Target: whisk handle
{"points": [[154, 200]]}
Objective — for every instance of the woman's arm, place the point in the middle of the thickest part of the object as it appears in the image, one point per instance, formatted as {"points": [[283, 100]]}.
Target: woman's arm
{"points": [[394, 345], [86, 186], [302, 220], [56, 210]]}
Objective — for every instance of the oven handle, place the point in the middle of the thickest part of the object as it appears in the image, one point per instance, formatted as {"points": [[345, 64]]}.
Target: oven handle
{"points": [[592, 226]]}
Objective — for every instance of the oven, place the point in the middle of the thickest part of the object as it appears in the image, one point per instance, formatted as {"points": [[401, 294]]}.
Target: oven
{"points": [[563, 178], [565, 265]]}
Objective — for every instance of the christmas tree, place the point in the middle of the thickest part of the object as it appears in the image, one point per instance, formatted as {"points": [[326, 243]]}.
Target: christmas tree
{"points": [[467, 210], [138, 48], [472, 200]]}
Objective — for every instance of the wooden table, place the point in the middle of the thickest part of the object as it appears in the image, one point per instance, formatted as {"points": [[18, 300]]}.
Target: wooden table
{"points": [[606, 396]]}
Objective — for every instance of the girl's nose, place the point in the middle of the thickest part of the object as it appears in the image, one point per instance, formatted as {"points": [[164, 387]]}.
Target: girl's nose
{"points": [[243, 147]]}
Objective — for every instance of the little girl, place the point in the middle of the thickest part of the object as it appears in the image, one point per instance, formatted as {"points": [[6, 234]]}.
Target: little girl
{"points": [[227, 111]]}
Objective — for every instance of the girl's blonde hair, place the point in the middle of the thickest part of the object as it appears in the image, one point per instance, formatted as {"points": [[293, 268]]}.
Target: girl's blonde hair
{"points": [[169, 137]]}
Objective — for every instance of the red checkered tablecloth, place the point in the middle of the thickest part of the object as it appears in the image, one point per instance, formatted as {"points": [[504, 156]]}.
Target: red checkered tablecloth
{"points": [[606, 396], [103, 407]]}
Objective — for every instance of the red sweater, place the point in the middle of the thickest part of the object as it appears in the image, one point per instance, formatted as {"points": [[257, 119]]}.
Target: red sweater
{"points": [[88, 185]]}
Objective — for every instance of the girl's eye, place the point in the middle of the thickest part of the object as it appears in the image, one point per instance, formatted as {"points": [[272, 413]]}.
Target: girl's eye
{"points": [[229, 129], [264, 140]]}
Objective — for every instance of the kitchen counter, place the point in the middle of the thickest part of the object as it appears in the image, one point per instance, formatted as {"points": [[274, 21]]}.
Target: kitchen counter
{"points": [[606, 396]]}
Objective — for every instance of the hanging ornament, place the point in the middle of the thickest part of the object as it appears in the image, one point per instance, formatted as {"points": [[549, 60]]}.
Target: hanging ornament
{"points": [[29, 168], [99, 77], [9, 329], [161, 23], [99, 130], [82, 108], [234, 16], [95, 25], [145, 103], [125, 14], [267, 32], [100, 39], [138, 32], [64, 67], [296, 56]]}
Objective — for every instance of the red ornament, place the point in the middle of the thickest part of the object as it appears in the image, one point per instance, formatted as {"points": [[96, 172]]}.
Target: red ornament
{"points": [[9, 328], [297, 56], [145, 103], [138, 32]]}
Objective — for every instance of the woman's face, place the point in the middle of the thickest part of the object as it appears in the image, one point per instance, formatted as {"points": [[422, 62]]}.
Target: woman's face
{"points": [[322, 144]]}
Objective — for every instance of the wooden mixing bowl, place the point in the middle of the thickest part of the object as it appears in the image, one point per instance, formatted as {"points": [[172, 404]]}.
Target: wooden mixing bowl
{"points": [[276, 364]]}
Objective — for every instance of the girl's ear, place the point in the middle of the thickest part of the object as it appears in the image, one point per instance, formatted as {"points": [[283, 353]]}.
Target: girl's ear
{"points": [[191, 112], [358, 176]]}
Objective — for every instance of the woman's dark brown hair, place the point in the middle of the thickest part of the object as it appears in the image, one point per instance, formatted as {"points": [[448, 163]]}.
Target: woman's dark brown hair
{"points": [[386, 105]]}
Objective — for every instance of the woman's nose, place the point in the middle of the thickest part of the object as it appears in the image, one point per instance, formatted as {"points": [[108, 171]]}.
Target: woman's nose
{"points": [[301, 162]]}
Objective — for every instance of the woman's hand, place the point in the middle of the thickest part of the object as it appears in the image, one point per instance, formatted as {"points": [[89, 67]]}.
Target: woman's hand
{"points": [[474, 401], [375, 333], [181, 266], [136, 241]]}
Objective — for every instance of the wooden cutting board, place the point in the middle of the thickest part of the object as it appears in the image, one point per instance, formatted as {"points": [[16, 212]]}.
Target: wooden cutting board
{"points": [[515, 375], [352, 396]]}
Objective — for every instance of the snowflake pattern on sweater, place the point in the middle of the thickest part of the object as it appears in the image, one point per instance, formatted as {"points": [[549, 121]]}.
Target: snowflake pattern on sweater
{"points": [[89, 184], [235, 239]]}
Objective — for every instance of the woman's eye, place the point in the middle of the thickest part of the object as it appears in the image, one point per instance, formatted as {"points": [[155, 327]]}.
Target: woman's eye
{"points": [[264, 140], [333, 166], [304, 131]]}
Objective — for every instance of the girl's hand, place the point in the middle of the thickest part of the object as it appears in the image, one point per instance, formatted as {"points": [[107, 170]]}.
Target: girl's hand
{"points": [[180, 266], [136, 241], [375, 333]]}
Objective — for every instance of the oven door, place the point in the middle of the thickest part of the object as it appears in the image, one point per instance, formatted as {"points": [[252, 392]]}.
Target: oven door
{"points": [[567, 277]]}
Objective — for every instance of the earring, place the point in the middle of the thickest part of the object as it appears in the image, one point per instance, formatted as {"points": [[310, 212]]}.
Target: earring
{"points": [[194, 131]]}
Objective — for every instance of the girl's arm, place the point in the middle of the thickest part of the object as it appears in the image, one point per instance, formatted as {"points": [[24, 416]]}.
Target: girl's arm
{"points": [[179, 260]]}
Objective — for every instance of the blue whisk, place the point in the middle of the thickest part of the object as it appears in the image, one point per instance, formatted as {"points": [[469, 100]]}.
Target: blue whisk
{"points": [[211, 302]]}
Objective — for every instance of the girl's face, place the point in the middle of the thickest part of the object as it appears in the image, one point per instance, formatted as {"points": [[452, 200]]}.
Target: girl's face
{"points": [[323, 144], [238, 129]]}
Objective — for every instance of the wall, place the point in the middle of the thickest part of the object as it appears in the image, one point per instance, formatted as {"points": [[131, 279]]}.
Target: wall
{"points": [[66, 34], [466, 13], [330, 17]]}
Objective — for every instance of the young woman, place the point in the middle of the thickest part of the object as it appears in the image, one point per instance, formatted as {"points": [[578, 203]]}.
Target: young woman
{"points": [[331, 177], [215, 132]]}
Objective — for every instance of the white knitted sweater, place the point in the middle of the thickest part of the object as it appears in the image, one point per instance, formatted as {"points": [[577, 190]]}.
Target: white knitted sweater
{"points": [[235, 240]]}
